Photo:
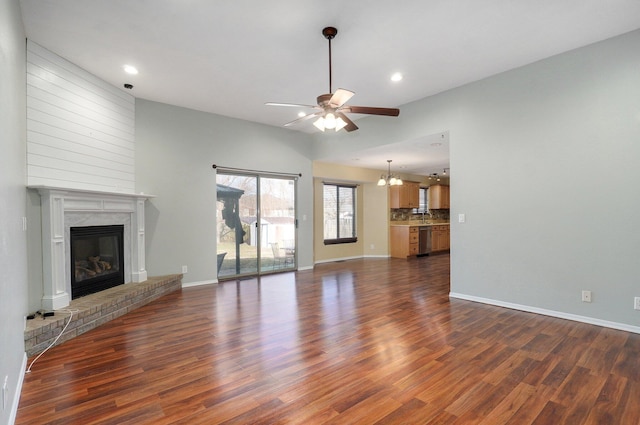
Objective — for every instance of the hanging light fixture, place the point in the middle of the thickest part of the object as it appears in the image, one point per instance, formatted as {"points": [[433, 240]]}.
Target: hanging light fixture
{"points": [[329, 121], [389, 179]]}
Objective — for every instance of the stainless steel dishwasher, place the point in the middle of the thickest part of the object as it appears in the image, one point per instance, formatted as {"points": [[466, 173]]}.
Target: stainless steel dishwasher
{"points": [[424, 240]]}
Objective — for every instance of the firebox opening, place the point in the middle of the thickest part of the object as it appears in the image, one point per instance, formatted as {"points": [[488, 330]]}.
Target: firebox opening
{"points": [[97, 259]]}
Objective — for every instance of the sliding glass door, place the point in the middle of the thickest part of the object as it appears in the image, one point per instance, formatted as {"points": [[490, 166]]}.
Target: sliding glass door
{"points": [[256, 231], [278, 224]]}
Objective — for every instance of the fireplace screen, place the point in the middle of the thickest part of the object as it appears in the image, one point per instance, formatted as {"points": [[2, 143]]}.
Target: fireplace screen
{"points": [[96, 259]]}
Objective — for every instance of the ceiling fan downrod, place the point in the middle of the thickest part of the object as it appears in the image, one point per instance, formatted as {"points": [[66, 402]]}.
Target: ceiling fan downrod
{"points": [[329, 33]]}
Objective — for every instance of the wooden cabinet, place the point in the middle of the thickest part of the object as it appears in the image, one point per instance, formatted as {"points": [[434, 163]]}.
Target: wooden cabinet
{"points": [[405, 196], [440, 236], [438, 197], [404, 241], [413, 194]]}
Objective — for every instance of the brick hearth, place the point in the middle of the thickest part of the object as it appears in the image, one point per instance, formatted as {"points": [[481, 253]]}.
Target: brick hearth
{"points": [[94, 310]]}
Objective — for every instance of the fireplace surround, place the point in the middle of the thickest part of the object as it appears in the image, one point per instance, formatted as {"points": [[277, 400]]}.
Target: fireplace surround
{"points": [[63, 209]]}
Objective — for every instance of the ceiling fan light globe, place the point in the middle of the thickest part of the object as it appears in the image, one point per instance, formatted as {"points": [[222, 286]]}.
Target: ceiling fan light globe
{"points": [[319, 123], [330, 121], [340, 124]]}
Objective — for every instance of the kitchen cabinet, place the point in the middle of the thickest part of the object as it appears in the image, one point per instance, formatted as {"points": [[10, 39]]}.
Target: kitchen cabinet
{"points": [[404, 241], [405, 196], [440, 236], [438, 197]]}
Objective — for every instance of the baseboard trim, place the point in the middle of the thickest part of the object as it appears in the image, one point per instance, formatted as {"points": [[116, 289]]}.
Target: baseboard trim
{"points": [[552, 313], [333, 260], [358, 257], [16, 397], [200, 283]]}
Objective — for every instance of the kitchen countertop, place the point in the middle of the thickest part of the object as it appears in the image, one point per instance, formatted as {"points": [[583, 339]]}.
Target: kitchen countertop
{"points": [[416, 223]]}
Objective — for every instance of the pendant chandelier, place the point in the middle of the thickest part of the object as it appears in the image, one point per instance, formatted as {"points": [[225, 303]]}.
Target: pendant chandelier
{"points": [[389, 179]]}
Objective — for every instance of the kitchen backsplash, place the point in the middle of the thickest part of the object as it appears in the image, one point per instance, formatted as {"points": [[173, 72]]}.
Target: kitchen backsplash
{"points": [[406, 214]]}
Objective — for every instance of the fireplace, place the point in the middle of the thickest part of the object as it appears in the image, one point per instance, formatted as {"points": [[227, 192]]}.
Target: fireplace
{"points": [[97, 258], [65, 209]]}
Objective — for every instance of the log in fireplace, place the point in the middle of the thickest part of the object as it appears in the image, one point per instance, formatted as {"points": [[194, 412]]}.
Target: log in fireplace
{"points": [[97, 258]]}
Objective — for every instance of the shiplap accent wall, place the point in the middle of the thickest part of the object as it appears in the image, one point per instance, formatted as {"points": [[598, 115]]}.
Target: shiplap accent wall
{"points": [[80, 129]]}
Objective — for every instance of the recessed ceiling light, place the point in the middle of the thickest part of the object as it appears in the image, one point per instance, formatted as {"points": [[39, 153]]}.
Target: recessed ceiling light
{"points": [[129, 69], [301, 114], [396, 77]]}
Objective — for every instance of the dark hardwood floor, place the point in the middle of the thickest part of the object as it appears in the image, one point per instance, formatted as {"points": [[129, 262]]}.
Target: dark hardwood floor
{"points": [[374, 341]]}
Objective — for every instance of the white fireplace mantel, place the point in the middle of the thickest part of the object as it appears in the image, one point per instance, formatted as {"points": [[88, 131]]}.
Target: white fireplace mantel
{"points": [[60, 207]]}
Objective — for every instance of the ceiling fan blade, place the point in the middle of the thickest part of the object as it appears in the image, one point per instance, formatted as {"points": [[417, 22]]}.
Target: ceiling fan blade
{"points": [[306, 117], [340, 97], [391, 112], [350, 124], [295, 105]]}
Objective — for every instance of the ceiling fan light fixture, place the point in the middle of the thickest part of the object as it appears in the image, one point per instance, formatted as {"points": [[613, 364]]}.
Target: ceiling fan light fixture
{"points": [[382, 181], [329, 121], [319, 123], [333, 104]]}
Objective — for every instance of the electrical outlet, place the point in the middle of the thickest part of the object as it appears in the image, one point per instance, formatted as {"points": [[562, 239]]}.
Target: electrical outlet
{"points": [[586, 296], [636, 303], [185, 269]]}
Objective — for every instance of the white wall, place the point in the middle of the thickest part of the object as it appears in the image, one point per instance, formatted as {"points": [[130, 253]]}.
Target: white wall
{"points": [[80, 135], [80, 130], [175, 151], [573, 121], [13, 241]]}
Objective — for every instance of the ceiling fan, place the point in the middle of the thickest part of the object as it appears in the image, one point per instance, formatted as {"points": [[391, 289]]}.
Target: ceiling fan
{"points": [[332, 106]]}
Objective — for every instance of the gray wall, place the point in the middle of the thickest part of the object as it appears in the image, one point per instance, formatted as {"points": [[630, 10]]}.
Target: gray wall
{"points": [[13, 240], [545, 163], [175, 151]]}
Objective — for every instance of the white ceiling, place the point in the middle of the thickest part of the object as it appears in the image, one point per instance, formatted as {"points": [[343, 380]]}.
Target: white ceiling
{"points": [[230, 57]]}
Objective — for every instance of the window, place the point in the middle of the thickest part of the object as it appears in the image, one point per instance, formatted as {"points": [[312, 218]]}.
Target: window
{"points": [[339, 213], [423, 202]]}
